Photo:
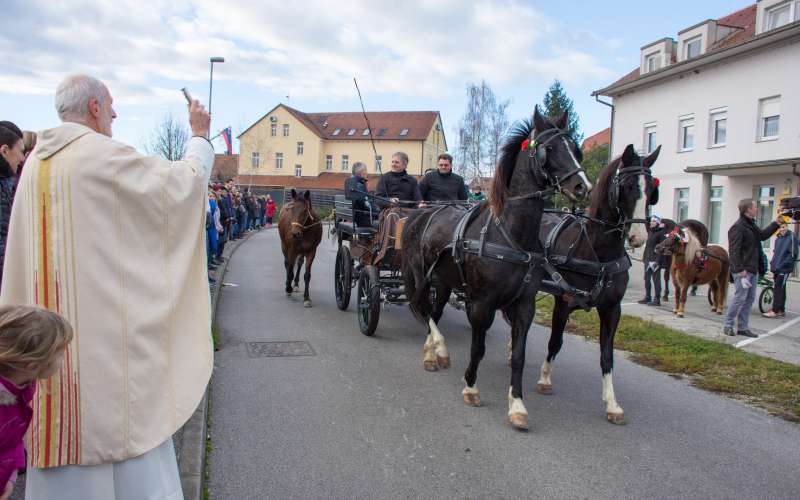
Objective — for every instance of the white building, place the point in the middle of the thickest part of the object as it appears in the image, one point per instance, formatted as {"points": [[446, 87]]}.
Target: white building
{"points": [[723, 101]]}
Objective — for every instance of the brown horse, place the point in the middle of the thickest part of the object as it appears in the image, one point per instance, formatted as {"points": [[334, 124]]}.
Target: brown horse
{"points": [[695, 264], [301, 231]]}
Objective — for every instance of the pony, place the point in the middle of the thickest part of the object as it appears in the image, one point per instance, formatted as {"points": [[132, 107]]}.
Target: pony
{"points": [[590, 254], [492, 257], [300, 229], [694, 263]]}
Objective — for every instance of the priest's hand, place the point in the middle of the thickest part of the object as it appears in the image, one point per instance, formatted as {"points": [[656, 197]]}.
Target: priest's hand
{"points": [[199, 119]]}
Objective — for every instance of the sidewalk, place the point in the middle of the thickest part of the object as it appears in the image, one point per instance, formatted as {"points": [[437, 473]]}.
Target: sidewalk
{"points": [[778, 338]]}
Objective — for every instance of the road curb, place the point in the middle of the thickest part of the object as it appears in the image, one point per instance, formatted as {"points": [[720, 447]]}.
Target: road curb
{"points": [[192, 459]]}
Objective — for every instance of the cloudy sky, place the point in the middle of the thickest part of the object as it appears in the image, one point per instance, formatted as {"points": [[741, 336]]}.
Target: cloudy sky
{"points": [[411, 55]]}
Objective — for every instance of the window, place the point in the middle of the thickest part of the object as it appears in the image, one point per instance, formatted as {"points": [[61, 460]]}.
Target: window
{"points": [[381, 132], [765, 204], [770, 117], [298, 171], [652, 62], [278, 161], [404, 132], [255, 159], [352, 131], [681, 204], [273, 129], [715, 214], [686, 134], [345, 162], [650, 138], [692, 47], [336, 132], [378, 163], [365, 132], [299, 148], [718, 123], [328, 162], [778, 16], [286, 130]]}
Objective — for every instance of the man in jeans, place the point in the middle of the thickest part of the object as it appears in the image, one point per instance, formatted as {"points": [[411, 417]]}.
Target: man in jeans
{"points": [[783, 259], [747, 262]]}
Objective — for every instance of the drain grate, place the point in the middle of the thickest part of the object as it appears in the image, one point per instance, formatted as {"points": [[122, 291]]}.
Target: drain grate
{"points": [[279, 349]]}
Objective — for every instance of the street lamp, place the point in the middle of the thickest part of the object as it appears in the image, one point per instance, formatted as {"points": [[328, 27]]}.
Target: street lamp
{"points": [[211, 78]]}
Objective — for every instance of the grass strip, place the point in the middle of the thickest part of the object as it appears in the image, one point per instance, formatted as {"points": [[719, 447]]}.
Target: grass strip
{"points": [[767, 383]]}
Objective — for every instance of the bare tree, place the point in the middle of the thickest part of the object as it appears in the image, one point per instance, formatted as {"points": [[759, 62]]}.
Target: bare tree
{"points": [[168, 139], [497, 128]]}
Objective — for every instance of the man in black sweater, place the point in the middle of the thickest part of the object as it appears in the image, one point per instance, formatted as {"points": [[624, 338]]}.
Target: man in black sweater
{"points": [[397, 188], [443, 185], [355, 190], [653, 262], [747, 262]]}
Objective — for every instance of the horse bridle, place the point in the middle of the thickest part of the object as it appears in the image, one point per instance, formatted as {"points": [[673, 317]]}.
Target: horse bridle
{"points": [[304, 225], [613, 192]]}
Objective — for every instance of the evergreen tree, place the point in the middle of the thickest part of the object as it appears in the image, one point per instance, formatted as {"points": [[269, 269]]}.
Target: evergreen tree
{"points": [[555, 103]]}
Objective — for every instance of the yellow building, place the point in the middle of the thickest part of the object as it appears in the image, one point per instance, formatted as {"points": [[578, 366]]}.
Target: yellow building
{"points": [[288, 142]]}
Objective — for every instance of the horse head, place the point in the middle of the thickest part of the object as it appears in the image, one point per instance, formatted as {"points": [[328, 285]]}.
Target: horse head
{"points": [[673, 243], [631, 190], [298, 212]]}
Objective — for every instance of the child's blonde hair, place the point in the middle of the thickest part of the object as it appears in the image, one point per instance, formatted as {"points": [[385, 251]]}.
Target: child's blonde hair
{"points": [[31, 339]]}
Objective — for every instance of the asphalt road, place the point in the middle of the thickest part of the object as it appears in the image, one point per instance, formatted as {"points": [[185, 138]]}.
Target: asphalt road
{"points": [[360, 418]]}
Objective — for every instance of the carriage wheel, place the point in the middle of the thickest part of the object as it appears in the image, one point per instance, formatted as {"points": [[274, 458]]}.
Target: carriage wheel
{"points": [[342, 277], [368, 300], [765, 299]]}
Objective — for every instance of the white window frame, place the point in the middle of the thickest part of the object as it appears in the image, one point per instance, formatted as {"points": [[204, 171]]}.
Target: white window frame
{"points": [[772, 101], [792, 8], [404, 132], [286, 130], [255, 159], [365, 132], [378, 163], [650, 128], [336, 132], [300, 148], [715, 116], [278, 161], [298, 170], [328, 162], [768, 201], [711, 200], [678, 199], [345, 163], [683, 123], [655, 58], [691, 41], [273, 129]]}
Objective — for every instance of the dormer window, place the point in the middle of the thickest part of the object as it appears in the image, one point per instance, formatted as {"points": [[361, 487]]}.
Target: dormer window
{"points": [[692, 47], [352, 131], [404, 132], [778, 16], [652, 62], [336, 132], [365, 132]]}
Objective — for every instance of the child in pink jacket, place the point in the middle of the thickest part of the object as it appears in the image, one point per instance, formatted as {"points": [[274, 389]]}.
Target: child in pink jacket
{"points": [[32, 344]]}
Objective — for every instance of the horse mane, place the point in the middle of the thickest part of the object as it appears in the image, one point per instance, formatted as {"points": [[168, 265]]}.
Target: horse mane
{"points": [[698, 229], [505, 165], [694, 244], [599, 194]]}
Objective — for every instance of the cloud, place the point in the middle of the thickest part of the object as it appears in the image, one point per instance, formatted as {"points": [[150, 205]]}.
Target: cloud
{"points": [[305, 49]]}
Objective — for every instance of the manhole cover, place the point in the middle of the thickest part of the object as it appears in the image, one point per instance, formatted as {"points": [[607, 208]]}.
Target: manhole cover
{"points": [[279, 349]]}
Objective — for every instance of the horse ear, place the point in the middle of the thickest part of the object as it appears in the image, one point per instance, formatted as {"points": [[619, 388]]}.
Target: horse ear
{"points": [[294, 194], [650, 159], [307, 195], [562, 121], [629, 155], [539, 121]]}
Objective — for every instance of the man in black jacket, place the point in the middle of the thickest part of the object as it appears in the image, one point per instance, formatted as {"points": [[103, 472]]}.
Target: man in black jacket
{"points": [[653, 262], [783, 261], [443, 185], [397, 186], [355, 190], [747, 262]]}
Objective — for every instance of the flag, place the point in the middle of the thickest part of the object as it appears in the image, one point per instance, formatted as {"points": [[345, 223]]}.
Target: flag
{"points": [[226, 136]]}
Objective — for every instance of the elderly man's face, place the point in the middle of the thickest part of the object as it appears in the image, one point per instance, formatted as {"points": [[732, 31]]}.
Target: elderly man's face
{"points": [[752, 211], [444, 166], [106, 115], [362, 172], [398, 165]]}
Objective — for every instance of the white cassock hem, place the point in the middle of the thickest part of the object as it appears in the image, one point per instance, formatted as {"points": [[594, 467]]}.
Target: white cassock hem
{"points": [[152, 476]]}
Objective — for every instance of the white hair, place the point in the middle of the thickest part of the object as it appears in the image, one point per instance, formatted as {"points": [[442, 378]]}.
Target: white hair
{"points": [[74, 93]]}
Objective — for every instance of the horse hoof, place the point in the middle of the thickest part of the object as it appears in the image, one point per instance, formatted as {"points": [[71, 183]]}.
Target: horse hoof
{"points": [[306, 303], [430, 365], [519, 421], [674, 311], [680, 314], [546, 389], [616, 418], [443, 361], [472, 399], [719, 311]]}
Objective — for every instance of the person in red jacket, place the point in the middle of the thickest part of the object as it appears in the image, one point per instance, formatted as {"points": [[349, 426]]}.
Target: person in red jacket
{"points": [[270, 210]]}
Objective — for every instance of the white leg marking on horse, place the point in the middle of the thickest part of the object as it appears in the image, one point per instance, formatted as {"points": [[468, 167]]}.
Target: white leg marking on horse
{"points": [[438, 340], [544, 374], [515, 405], [427, 349], [608, 395], [470, 390]]}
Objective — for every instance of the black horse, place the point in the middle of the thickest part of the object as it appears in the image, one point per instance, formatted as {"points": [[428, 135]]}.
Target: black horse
{"points": [[592, 256], [493, 254]]}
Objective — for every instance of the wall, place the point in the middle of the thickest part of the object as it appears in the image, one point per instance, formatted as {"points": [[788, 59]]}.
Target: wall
{"points": [[258, 138]]}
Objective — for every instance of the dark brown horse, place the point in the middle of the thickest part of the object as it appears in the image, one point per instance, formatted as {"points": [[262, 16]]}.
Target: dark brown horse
{"points": [[694, 263], [301, 231], [499, 267]]}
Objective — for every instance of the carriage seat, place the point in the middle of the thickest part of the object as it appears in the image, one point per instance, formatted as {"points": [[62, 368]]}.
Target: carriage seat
{"points": [[346, 221]]}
